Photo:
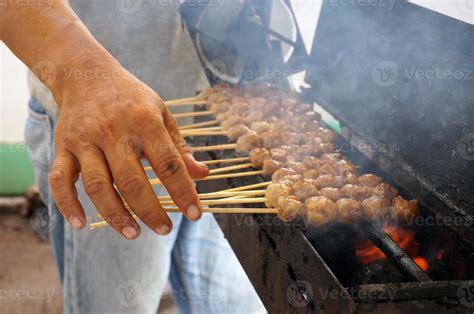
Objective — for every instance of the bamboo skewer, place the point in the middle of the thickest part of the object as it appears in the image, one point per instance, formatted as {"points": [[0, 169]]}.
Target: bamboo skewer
{"points": [[221, 194], [179, 100], [227, 201], [186, 103], [212, 128], [213, 147], [198, 125], [193, 114], [215, 162], [230, 168], [248, 187], [225, 161], [224, 210], [219, 176], [204, 133]]}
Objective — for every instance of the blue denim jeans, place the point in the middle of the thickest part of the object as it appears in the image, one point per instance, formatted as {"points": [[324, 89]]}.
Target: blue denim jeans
{"points": [[101, 272]]}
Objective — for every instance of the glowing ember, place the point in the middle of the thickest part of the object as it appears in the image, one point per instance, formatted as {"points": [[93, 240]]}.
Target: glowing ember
{"points": [[405, 238]]}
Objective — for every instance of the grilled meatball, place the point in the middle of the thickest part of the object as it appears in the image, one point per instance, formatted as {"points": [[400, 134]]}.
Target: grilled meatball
{"points": [[321, 148], [344, 167], [231, 121], [270, 166], [302, 151], [329, 136], [333, 194], [357, 192], [282, 172], [237, 131], [320, 210], [304, 189], [298, 167], [271, 138], [348, 210], [261, 126], [221, 117], [350, 178], [220, 107], [327, 169], [291, 179], [405, 210], [312, 162], [369, 180], [248, 141], [289, 208], [278, 154], [274, 191], [311, 174], [253, 116], [375, 206], [204, 94], [332, 156], [385, 190], [324, 181], [238, 107], [258, 155]]}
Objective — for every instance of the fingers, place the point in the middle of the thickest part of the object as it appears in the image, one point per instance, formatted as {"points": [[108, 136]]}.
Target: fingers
{"points": [[195, 168], [170, 167], [64, 174], [98, 185], [133, 184]]}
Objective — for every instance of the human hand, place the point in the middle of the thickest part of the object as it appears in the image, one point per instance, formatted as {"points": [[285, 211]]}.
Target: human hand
{"points": [[107, 123]]}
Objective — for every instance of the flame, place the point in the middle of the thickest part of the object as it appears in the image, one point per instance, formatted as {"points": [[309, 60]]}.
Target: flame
{"points": [[405, 238]]}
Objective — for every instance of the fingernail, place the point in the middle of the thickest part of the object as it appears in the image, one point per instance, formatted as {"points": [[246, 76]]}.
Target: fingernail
{"points": [[193, 212], [130, 232], [190, 155], [76, 223], [163, 229]]}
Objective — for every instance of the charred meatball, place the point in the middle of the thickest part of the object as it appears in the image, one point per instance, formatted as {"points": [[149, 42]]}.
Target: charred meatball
{"points": [[220, 107], [270, 166], [237, 131], [258, 155], [274, 191], [320, 210], [304, 189], [348, 210], [290, 209], [271, 138], [405, 210], [369, 180], [333, 194], [282, 172], [357, 192], [231, 121], [248, 141], [261, 127], [375, 206]]}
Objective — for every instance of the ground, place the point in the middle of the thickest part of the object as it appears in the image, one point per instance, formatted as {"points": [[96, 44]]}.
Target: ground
{"points": [[29, 282]]}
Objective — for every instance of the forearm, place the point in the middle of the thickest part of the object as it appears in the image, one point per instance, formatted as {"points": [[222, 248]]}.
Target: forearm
{"points": [[49, 33]]}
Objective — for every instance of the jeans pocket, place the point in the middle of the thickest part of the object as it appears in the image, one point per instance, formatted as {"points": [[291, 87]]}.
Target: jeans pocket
{"points": [[38, 138]]}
